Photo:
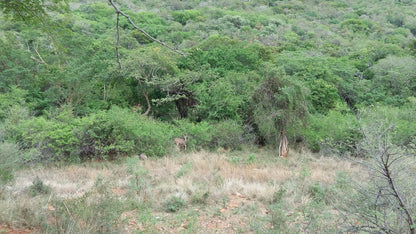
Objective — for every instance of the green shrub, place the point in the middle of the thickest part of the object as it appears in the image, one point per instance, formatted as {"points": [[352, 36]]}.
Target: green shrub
{"points": [[120, 132], [336, 130], [402, 119], [38, 187], [183, 16], [279, 103], [54, 138], [317, 192], [138, 180], [105, 134], [200, 197], [199, 134], [11, 99], [229, 135], [9, 161], [174, 204], [324, 95], [357, 25]]}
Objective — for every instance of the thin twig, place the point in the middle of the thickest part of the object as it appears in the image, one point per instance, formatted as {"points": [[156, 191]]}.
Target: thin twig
{"points": [[69, 212], [40, 57], [143, 31], [118, 41]]}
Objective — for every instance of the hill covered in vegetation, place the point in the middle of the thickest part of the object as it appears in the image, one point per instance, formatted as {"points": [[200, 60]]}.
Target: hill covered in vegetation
{"points": [[85, 80], [251, 70]]}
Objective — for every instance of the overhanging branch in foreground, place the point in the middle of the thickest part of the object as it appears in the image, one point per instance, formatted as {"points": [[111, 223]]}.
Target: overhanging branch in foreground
{"points": [[119, 12]]}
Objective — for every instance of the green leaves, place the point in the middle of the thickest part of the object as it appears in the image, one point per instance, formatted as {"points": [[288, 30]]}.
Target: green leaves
{"points": [[32, 11]]}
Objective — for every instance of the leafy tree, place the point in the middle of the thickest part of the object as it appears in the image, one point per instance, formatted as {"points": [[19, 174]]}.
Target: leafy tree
{"points": [[147, 66], [35, 11], [224, 54], [324, 95], [279, 104], [183, 16], [396, 76]]}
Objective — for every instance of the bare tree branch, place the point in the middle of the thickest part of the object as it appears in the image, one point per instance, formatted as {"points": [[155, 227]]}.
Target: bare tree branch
{"points": [[118, 42], [118, 11]]}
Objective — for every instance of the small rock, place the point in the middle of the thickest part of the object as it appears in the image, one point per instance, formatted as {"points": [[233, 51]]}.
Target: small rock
{"points": [[143, 157]]}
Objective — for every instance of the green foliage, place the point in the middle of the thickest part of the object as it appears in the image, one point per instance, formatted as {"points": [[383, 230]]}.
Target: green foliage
{"points": [[111, 133], [34, 11], [230, 134], [54, 138], [183, 16], [317, 192], [224, 54], [279, 104], [138, 174], [396, 77], [174, 204], [38, 187], [11, 100], [200, 197], [53, 56], [357, 25], [338, 131], [183, 170], [227, 134], [402, 118], [324, 95], [226, 98], [278, 217], [118, 132], [10, 160]]}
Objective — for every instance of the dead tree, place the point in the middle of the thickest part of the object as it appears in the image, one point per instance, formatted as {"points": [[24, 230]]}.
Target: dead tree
{"points": [[384, 204]]}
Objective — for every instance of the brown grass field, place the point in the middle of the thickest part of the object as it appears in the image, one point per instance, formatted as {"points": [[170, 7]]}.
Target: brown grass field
{"points": [[249, 191]]}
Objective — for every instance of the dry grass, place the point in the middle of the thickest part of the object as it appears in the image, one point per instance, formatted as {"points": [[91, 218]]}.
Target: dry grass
{"points": [[225, 192]]}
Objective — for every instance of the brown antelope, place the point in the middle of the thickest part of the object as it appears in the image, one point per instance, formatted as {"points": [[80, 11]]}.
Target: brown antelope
{"points": [[181, 142], [284, 145]]}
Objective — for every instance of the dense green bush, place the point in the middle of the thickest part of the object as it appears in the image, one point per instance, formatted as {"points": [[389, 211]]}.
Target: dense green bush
{"points": [[335, 131], [120, 132], [362, 57], [53, 137], [199, 134], [111, 133], [11, 100], [279, 104], [183, 16]]}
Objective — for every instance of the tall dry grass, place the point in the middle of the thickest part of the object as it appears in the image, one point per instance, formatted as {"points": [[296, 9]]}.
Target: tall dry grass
{"points": [[225, 186]]}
